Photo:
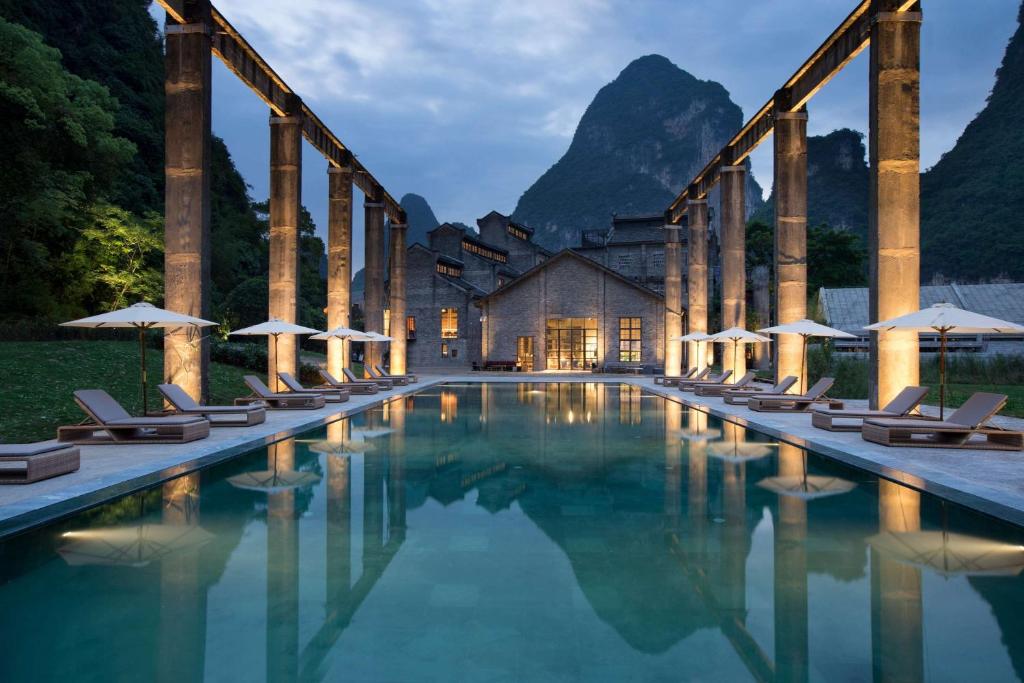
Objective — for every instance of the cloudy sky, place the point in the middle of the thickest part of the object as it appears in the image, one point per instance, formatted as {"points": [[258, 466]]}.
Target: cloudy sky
{"points": [[467, 102]]}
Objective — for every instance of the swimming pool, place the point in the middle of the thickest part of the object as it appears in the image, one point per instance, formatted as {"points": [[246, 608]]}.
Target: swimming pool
{"points": [[518, 532]]}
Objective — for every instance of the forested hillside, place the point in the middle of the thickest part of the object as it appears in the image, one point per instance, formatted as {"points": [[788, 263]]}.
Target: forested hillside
{"points": [[82, 129]]}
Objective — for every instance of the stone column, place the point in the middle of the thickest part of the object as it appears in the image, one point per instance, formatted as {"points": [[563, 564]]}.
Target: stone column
{"points": [[373, 292], [697, 276], [734, 274], [285, 209], [790, 584], [894, 211], [673, 300], [396, 298], [339, 262], [188, 87], [790, 236]]}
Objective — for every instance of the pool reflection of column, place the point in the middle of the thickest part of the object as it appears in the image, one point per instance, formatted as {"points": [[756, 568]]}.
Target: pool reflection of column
{"points": [[697, 480], [673, 473], [396, 470], [182, 594], [791, 654], [734, 535], [282, 572], [339, 509], [897, 639]]}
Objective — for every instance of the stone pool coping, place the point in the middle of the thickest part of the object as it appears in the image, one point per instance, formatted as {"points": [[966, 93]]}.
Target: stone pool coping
{"points": [[111, 471]]}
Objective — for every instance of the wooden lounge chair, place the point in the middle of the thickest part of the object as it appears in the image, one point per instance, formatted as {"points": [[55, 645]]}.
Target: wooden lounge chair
{"points": [[383, 384], [26, 463], [387, 375], [717, 389], [739, 397], [109, 423], [673, 381], [851, 419], [396, 380], [219, 416], [691, 384], [959, 430], [331, 395], [795, 403], [357, 387], [287, 400]]}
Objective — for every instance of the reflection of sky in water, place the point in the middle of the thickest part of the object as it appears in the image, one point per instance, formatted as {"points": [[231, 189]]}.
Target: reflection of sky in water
{"points": [[574, 533]]}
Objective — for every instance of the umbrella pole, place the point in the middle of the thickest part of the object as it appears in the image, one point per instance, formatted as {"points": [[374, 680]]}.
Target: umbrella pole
{"points": [[276, 388], [142, 349], [735, 343], [803, 364], [942, 374]]}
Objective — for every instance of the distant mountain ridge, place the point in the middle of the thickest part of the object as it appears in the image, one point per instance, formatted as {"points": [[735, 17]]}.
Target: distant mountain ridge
{"points": [[643, 137]]}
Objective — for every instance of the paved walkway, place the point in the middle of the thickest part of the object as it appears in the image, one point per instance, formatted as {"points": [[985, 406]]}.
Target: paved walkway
{"points": [[109, 471], [988, 481]]}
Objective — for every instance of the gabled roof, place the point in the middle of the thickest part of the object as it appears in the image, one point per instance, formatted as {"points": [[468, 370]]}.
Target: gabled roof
{"points": [[572, 254]]}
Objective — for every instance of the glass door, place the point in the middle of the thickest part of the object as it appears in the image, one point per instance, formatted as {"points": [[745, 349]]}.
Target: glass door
{"points": [[524, 353], [571, 343]]}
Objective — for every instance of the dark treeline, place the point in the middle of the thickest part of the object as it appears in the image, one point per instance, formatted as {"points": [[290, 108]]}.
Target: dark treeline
{"points": [[81, 189]]}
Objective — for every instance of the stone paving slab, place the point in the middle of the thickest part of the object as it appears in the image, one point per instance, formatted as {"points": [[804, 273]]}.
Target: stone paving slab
{"points": [[109, 471]]}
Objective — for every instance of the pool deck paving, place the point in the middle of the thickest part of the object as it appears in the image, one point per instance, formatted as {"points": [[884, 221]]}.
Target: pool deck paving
{"points": [[991, 482]]}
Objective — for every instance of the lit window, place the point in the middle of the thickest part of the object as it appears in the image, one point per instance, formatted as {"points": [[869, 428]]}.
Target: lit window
{"points": [[629, 340], [481, 250], [410, 328], [387, 322], [444, 349], [449, 323], [449, 269]]}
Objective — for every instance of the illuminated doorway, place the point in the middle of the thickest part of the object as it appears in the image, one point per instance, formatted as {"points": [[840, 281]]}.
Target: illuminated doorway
{"points": [[571, 343], [524, 353]]}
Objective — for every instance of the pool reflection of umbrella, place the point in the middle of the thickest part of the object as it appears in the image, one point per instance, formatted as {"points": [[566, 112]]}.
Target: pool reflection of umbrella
{"points": [[807, 487], [131, 546], [951, 554], [330, 447], [371, 433], [274, 480], [700, 434], [739, 451]]}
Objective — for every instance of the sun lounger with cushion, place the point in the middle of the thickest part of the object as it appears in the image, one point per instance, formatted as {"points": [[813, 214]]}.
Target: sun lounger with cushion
{"points": [[739, 397], [964, 428], [691, 384], [794, 403], [287, 400], [387, 375], [673, 381], [359, 387], [26, 463], [717, 389], [111, 424], [396, 380], [852, 419], [218, 416], [330, 394], [383, 384]]}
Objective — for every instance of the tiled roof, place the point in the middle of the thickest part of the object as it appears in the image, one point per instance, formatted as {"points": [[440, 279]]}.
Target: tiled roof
{"points": [[847, 309]]}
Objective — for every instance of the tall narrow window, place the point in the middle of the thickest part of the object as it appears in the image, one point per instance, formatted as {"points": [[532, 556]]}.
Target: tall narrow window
{"points": [[449, 323], [629, 340], [387, 322], [410, 327]]}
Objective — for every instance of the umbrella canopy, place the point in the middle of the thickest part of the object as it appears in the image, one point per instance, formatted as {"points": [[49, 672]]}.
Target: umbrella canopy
{"points": [[951, 554], [692, 337], [275, 328], [142, 316], [377, 337], [807, 329], [339, 333], [945, 318], [807, 487], [133, 546], [738, 335]]}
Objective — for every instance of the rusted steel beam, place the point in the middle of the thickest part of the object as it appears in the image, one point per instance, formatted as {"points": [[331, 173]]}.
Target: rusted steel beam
{"points": [[846, 42], [241, 59]]}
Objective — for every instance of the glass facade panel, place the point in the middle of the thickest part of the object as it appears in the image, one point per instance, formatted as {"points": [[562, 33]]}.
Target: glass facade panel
{"points": [[571, 343], [629, 340]]}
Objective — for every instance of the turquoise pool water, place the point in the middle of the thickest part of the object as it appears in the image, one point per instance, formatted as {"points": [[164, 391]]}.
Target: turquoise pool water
{"points": [[559, 532]]}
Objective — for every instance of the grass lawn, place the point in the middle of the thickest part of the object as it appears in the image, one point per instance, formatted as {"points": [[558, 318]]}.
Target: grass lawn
{"points": [[40, 376]]}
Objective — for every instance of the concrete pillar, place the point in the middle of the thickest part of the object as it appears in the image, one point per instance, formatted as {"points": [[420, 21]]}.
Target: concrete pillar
{"points": [[894, 211], [188, 87], [285, 209], [396, 298], [790, 236], [897, 636], [339, 262], [673, 300], [734, 274], [373, 292], [696, 276], [790, 584]]}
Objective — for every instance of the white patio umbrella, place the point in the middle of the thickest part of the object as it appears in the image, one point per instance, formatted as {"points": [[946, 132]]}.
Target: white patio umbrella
{"points": [[691, 337], [806, 329], [342, 332], [945, 318], [141, 316], [274, 328], [738, 335]]}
